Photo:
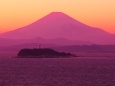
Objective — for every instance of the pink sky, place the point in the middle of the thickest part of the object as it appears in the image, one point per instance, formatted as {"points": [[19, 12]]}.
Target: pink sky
{"points": [[18, 13]]}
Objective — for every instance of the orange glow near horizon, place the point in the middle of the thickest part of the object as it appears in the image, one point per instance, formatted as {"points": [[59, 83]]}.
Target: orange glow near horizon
{"points": [[95, 13]]}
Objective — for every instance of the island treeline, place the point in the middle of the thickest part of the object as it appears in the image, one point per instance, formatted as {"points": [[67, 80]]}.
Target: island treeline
{"points": [[43, 53]]}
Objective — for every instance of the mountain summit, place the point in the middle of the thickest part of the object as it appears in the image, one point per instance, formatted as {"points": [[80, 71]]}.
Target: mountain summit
{"points": [[60, 25]]}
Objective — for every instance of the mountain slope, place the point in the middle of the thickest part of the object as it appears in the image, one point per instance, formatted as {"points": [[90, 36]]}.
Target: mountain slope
{"points": [[60, 25]]}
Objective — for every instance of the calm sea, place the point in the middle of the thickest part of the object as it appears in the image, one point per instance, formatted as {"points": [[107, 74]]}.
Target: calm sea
{"points": [[57, 72]]}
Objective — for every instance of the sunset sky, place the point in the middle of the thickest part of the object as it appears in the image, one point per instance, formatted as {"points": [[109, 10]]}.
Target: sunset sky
{"points": [[19, 13]]}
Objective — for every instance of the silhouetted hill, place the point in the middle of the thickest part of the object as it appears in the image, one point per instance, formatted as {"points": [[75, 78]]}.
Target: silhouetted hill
{"points": [[38, 40], [88, 48], [59, 25], [70, 48], [42, 53]]}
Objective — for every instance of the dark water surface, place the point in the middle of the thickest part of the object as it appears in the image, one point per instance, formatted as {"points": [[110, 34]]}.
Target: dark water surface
{"points": [[57, 72]]}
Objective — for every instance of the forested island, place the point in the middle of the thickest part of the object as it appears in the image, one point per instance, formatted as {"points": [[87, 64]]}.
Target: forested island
{"points": [[42, 53]]}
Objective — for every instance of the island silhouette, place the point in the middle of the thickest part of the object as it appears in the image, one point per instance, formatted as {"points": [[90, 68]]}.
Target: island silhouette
{"points": [[42, 53]]}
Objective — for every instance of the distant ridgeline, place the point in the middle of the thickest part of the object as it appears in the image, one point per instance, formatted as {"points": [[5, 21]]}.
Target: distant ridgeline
{"points": [[42, 53]]}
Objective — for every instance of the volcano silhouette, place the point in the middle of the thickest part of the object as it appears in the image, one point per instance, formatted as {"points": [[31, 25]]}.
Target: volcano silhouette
{"points": [[59, 25]]}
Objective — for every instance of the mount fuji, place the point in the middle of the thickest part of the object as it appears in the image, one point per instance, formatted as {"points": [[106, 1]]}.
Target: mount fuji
{"points": [[59, 25]]}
